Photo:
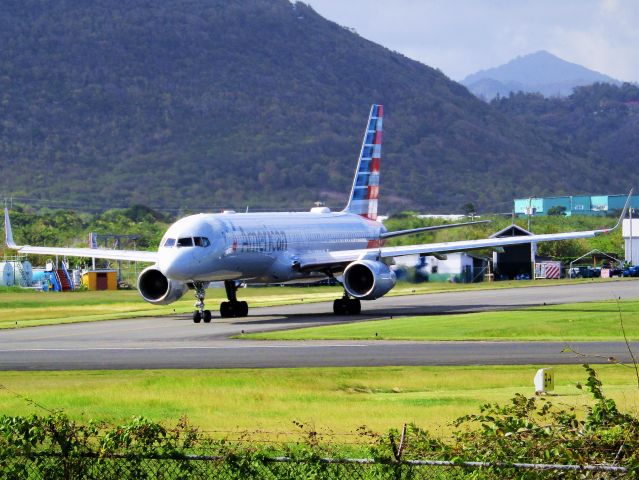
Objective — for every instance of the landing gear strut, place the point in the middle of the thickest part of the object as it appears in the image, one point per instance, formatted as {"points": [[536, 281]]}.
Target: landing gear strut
{"points": [[347, 306], [232, 308], [200, 314]]}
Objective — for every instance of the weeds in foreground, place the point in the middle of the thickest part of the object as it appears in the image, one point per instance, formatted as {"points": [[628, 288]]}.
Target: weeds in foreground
{"points": [[534, 430]]}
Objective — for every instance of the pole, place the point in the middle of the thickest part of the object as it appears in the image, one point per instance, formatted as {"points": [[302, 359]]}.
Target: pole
{"points": [[630, 218]]}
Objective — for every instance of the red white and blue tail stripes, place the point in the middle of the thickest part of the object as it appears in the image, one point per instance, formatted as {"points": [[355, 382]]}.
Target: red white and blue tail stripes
{"points": [[365, 191]]}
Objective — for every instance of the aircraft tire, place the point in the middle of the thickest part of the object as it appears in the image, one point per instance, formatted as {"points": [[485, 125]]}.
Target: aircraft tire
{"points": [[196, 316], [226, 310], [242, 309], [206, 317], [354, 306], [339, 307]]}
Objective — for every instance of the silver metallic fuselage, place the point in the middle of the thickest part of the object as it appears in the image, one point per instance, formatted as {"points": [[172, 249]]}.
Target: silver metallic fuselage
{"points": [[260, 247]]}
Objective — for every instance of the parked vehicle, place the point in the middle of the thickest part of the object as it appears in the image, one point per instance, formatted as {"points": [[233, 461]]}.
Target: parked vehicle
{"points": [[585, 272], [631, 271]]}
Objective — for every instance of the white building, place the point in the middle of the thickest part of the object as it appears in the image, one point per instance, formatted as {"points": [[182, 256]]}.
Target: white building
{"points": [[456, 267], [631, 240]]}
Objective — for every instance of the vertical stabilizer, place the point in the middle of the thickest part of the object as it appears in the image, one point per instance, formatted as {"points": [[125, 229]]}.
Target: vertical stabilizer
{"points": [[365, 191]]}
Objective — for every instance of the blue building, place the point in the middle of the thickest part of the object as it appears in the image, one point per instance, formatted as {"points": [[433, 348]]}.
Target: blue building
{"points": [[575, 204]]}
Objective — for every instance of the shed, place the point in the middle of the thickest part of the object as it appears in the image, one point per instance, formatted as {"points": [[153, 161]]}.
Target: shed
{"points": [[514, 260], [100, 279]]}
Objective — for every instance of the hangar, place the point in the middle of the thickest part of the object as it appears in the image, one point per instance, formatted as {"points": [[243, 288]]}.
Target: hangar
{"points": [[515, 260]]}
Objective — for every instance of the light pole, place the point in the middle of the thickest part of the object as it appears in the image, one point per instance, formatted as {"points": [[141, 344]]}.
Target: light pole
{"points": [[630, 222]]}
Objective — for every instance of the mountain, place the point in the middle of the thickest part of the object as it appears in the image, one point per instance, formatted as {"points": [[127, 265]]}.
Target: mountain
{"points": [[202, 104], [539, 72]]}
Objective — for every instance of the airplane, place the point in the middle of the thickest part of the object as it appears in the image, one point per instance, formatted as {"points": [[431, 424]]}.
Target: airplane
{"points": [[281, 247]]}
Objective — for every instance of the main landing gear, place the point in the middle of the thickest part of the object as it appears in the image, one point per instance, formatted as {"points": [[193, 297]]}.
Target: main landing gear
{"points": [[347, 305], [232, 308], [200, 314]]}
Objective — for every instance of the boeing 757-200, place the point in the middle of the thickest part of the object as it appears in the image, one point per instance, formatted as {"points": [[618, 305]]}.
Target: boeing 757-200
{"points": [[277, 248]]}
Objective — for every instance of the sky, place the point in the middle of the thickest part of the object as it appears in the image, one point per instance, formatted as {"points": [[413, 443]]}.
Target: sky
{"points": [[460, 37]]}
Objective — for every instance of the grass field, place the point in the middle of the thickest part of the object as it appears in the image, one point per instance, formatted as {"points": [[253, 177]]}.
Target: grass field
{"points": [[24, 308], [335, 400], [570, 322]]}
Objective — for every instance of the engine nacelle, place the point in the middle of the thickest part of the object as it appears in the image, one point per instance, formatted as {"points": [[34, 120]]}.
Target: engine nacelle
{"points": [[155, 288], [368, 279]]}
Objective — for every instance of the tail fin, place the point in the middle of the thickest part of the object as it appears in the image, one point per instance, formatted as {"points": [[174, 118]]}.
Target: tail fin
{"points": [[363, 199]]}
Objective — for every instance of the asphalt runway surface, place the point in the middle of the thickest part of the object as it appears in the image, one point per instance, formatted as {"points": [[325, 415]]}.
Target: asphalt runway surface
{"points": [[176, 342]]}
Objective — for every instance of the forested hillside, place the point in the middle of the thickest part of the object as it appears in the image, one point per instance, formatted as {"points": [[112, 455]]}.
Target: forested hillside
{"points": [[601, 121], [199, 104]]}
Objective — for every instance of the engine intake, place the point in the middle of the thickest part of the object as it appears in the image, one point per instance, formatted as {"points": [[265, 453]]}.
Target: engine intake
{"points": [[368, 279], [155, 288]]}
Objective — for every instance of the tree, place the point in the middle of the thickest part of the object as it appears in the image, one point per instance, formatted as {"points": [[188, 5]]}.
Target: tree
{"points": [[557, 211], [469, 209]]}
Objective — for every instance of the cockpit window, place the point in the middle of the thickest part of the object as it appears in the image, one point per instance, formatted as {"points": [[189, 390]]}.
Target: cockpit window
{"points": [[169, 242], [201, 241], [185, 242]]}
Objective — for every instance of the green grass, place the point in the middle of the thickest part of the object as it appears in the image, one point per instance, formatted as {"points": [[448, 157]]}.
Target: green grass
{"points": [[25, 308], [28, 308], [570, 322], [269, 400]]}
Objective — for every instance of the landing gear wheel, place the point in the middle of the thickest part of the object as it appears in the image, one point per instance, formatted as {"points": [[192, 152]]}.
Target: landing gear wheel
{"points": [[353, 306], [206, 316], [232, 308], [226, 310], [339, 306], [347, 306], [197, 316]]}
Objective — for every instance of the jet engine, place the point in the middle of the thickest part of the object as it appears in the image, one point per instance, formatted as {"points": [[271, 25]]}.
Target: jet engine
{"points": [[368, 279], [155, 288]]}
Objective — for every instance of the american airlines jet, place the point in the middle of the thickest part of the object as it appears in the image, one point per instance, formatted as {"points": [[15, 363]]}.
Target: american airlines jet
{"points": [[277, 248]]}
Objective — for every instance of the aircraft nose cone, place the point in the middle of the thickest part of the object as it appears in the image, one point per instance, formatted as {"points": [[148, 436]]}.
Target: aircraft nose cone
{"points": [[175, 267]]}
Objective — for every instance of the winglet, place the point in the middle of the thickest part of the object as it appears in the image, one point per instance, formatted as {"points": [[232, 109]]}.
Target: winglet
{"points": [[8, 235], [622, 216]]}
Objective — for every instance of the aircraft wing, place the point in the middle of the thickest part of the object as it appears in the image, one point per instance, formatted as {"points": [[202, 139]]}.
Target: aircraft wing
{"points": [[412, 231], [332, 260], [133, 255]]}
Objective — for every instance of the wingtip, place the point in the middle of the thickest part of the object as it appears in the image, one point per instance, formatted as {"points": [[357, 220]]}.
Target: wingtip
{"points": [[624, 211], [8, 234]]}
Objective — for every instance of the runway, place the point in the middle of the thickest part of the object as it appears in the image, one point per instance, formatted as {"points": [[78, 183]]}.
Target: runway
{"points": [[175, 342]]}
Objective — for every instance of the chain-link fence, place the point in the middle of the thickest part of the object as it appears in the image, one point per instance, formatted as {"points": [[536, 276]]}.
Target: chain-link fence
{"points": [[53, 467]]}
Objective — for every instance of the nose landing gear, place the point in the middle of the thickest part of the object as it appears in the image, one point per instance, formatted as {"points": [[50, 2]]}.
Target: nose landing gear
{"points": [[232, 308], [200, 314]]}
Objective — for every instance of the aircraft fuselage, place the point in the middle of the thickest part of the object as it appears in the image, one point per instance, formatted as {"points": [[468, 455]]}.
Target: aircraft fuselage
{"points": [[258, 247]]}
